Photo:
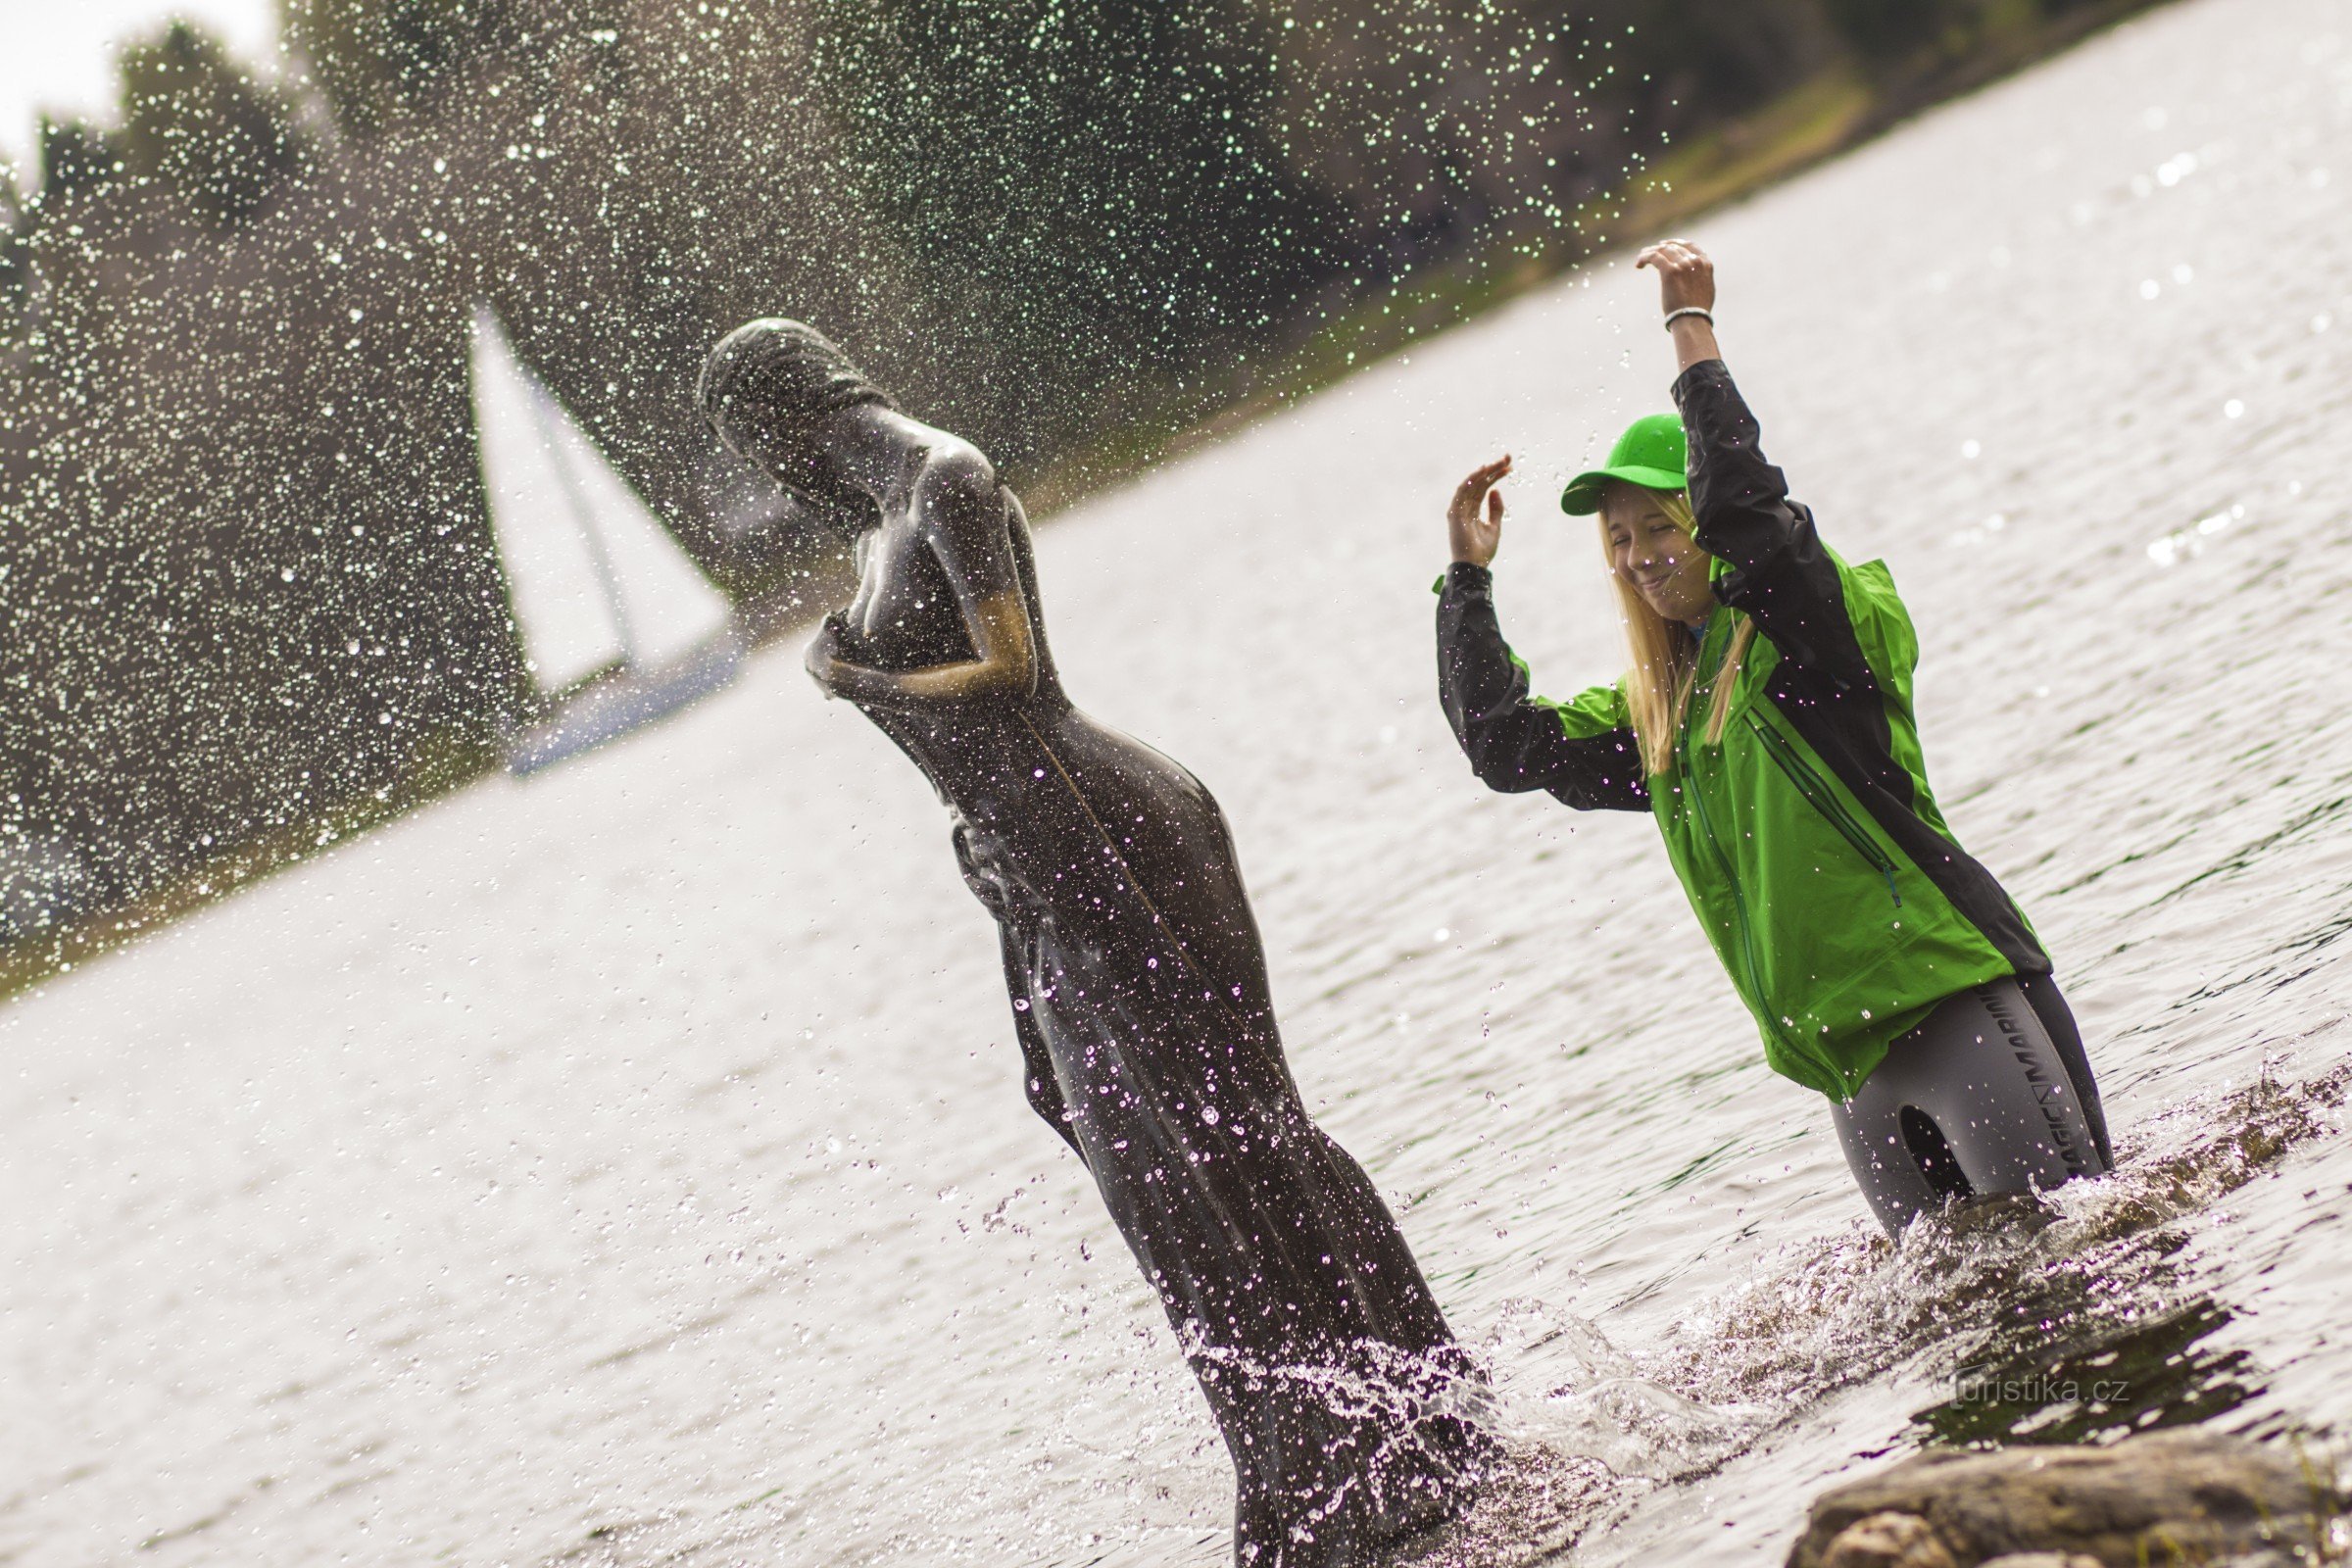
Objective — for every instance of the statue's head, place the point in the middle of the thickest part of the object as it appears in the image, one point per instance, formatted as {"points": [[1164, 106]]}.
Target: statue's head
{"points": [[769, 390]]}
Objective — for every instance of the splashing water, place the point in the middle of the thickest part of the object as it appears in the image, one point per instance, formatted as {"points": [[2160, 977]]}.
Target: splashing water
{"points": [[557, 1175]]}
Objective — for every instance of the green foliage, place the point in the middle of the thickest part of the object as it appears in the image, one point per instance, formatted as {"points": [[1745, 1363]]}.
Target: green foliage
{"points": [[78, 161], [1095, 175], [1883, 31], [376, 60], [1933, 32], [197, 122], [20, 283], [242, 537], [1708, 59], [19, 290]]}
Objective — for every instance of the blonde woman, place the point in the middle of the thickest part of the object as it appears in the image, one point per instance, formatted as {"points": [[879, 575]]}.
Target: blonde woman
{"points": [[1765, 722]]}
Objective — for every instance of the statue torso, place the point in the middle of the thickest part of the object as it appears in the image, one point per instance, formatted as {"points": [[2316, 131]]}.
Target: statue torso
{"points": [[905, 614]]}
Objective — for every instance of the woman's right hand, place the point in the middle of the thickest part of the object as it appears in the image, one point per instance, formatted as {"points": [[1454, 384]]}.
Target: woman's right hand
{"points": [[1474, 522]]}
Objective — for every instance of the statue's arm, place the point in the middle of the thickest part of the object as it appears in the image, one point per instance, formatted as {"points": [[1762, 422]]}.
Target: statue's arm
{"points": [[961, 510]]}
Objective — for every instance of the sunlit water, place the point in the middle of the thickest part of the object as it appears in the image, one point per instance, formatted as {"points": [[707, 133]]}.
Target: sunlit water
{"points": [[630, 1167]]}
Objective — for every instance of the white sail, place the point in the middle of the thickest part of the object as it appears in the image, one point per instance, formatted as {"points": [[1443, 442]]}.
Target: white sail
{"points": [[596, 581], [561, 602], [666, 605]]}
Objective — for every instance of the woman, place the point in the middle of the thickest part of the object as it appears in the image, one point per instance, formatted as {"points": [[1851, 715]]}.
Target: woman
{"points": [[1139, 988], [1766, 724]]}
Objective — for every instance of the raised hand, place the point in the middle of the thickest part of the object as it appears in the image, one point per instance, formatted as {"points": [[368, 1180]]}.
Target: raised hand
{"points": [[1686, 280], [1474, 520], [1684, 274]]}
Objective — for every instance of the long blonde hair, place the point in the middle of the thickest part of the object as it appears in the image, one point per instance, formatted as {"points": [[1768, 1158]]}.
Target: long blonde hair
{"points": [[1665, 660]]}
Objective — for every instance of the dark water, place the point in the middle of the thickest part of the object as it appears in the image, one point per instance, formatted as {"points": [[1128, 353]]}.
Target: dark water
{"points": [[631, 1166]]}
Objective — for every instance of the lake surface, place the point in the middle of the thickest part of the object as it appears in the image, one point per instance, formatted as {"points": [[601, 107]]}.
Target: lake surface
{"points": [[630, 1167]]}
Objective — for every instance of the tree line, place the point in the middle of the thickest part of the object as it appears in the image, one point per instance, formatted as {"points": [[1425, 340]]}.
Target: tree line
{"points": [[245, 563]]}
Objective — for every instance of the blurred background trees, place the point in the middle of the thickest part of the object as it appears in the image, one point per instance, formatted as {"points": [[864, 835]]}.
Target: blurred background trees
{"points": [[252, 594], [1099, 185], [197, 124]]}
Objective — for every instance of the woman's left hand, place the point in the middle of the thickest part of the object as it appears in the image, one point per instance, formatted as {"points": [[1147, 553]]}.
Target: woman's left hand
{"points": [[1685, 277], [1686, 280]]}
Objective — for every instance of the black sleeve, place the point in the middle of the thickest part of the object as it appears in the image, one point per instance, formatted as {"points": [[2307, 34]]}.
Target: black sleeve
{"points": [[1515, 743], [1781, 574]]}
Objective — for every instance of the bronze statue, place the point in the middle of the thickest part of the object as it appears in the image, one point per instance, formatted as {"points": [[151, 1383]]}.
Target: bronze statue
{"points": [[1139, 987]]}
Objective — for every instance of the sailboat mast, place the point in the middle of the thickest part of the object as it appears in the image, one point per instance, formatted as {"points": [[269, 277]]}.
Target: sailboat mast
{"points": [[610, 579], [600, 556]]}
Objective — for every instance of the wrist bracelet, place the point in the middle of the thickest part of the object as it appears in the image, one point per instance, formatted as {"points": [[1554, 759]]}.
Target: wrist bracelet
{"points": [[1700, 312]]}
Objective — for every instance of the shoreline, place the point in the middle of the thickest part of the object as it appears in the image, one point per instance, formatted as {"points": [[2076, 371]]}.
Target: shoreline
{"points": [[1815, 122]]}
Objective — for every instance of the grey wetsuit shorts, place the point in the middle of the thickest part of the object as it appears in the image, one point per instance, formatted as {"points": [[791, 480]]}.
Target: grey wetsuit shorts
{"points": [[1992, 1094]]}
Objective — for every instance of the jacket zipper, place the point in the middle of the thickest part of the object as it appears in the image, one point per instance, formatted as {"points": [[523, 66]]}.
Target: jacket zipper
{"points": [[1731, 882], [1746, 925], [1823, 800]]}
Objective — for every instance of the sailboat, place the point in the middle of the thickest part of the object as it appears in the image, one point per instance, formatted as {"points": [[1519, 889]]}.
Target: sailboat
{"points": [[618, 627]]}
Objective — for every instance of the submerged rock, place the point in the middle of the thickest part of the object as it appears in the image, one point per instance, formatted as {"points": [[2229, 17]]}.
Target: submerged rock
{"points": [[2189, 1495], [1888, 1540]]}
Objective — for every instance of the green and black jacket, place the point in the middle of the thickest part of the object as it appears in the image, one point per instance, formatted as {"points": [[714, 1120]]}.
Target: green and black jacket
{"points": [[1809, 840]]}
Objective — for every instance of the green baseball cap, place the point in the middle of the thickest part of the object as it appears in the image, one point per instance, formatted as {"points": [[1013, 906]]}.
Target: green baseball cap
{"points": [[1652, 454]]}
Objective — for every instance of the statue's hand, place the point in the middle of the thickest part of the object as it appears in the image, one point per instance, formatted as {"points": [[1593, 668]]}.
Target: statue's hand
{"points": [[823, 659], [980, 855]]}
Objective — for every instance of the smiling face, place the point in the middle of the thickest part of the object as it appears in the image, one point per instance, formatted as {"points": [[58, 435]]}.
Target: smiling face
{"points": [[1651, 553]]}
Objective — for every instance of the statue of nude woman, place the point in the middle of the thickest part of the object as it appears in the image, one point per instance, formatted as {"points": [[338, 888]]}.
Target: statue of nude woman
{"points": [[1137, 984]]}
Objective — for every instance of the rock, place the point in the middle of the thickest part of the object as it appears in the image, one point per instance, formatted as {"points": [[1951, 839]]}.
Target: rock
{"points": [[2169, 1497], [1887, 1540]]}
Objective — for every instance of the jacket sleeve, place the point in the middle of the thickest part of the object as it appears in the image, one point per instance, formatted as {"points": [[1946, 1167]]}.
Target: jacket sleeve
{"points": [[1781, 573], [1583, 751]]}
